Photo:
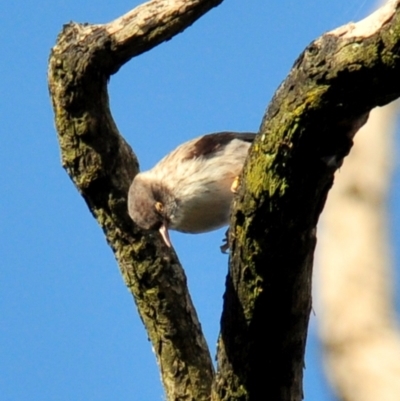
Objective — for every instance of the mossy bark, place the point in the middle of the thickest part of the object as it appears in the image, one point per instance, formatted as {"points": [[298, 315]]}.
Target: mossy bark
{"points": [[304, 136], [102, 166]]}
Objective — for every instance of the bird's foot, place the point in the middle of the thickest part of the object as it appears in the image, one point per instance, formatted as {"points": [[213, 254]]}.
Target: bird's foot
{"points": [[235, 185], [225, 243]]}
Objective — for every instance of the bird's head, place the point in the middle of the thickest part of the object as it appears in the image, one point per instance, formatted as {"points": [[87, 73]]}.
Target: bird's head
{"points": [[147, 206]]}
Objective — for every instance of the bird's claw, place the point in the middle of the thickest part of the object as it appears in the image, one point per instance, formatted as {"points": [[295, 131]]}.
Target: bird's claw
{"points": [[235, 185], [225, 243]]}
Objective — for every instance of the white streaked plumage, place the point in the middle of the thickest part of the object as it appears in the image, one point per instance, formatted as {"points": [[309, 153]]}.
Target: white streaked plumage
{"points": [[189, 190]]}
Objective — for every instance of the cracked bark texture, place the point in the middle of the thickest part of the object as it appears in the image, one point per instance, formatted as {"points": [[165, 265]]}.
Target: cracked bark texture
{"points": [[305, 134], [102, 165]]}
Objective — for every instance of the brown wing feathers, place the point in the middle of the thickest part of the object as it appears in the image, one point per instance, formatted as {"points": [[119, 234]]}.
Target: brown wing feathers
{"points": [[213, 142]]}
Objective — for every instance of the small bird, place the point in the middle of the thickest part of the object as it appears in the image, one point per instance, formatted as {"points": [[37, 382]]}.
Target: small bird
{"points": [[191, 189]]}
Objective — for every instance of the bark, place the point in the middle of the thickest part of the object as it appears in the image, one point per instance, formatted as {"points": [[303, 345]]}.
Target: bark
{"points": [[305, 134], [102, 166], [356, 307]]}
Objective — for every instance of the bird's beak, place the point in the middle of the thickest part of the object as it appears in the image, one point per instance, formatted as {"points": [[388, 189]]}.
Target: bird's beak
{"points": [[164, 233]]}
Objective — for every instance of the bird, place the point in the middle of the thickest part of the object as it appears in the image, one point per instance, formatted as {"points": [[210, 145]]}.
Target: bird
{"points": [[190, 190]]}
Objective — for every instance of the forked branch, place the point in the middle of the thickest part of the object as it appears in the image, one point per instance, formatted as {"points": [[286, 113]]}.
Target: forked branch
{"points": [[305, 134]]}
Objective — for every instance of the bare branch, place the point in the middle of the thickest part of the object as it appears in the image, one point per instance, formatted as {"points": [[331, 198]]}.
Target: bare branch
{"points": [[102, 166], [306, 133], [143, 28]]}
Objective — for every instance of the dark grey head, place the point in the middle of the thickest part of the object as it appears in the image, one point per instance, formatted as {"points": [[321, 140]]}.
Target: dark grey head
{"points": [[146, 206]]}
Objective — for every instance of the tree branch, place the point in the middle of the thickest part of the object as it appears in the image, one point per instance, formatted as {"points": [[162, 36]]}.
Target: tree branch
{"points": [[305, 134], [102, 166]]}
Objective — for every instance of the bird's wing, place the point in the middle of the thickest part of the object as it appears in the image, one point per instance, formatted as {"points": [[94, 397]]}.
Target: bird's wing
{"points": [[211, 143]]}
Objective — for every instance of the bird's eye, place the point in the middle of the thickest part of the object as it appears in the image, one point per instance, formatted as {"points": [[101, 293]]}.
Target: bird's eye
{"points": [[159, 207]]}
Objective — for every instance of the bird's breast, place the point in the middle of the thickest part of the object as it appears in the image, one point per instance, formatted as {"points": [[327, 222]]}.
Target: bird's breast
{"points": [[205, 212]]}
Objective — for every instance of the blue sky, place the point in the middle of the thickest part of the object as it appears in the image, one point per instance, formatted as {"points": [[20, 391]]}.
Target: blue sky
{"points": [[69, 329]]}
